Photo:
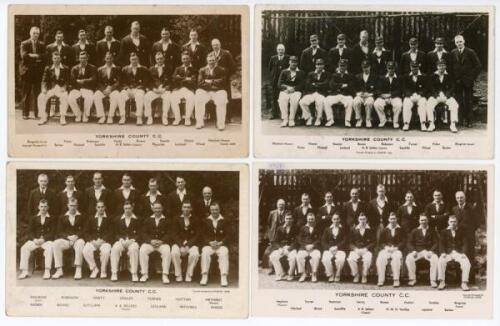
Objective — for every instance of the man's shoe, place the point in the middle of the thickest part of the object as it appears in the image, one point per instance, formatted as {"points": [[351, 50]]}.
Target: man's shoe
{"points": [[114, 277], [347, 123], [178, 278], [176, 122], [453, 127], [465, 287], [368, 123], [223, 280], [337, 279], [164, 279], [139, 121], [199, 126], [364, 279], [78, 118], [284, 123], [442, 285], [302, 278], [406, 127], [395, 125], [46, 274], [412, 282], [432, 127], [94, 273], [331, 278], [271, 272], [187, 122], [289, 278], [101, 120], [25, 117], [78, 273], [62, 120], [135, 278], [149, 121], [164, 121], [396, 283], [359, 123], [278, 278], [309, 122], [144, 278], [57, 274], [317, 123], [423, 127], [314, 278], [104, 274], [23, 275], [122, 120], [380, 284], [291, 123], [188, 278], [382, 124], [204, 279], [42, 121], [85, 118], [355, 279], [434, 284], [329, 123]]}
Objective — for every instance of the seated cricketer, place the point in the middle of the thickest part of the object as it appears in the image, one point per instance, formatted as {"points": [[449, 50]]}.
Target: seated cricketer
{"points": [[184, 85], [83, 79], [283, 245], [334, 243], [134, 80], [365, 86], [391, 244], [315, 90], [340, 91], [290, 85], [309, 243], [389, 89], [108, 85], [362, 243]]}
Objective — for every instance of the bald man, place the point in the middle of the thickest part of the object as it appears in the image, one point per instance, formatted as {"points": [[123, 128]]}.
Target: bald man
{"points": [[277, 63]]}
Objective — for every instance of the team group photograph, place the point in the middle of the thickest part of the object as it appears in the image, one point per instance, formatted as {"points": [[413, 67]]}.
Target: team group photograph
{"points": [[348, 229], [128, 70], [392, 71], [164, 228]]}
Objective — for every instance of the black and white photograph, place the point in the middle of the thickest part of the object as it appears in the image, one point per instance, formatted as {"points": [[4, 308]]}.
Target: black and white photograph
{"points": [[86, 70], [335, 74], [331, 230], [172, 229]]}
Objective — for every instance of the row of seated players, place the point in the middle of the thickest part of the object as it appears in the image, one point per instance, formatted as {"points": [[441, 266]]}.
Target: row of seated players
{"points": [[111, 237], [366, 91], [138, 84], [337, 243]]}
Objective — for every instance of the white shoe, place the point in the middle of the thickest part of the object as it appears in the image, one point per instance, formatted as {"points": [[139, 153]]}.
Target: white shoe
{"points": [[412, 282], [46, 274], [149, 121], [114, 277], [78, 273], [144, 278], [85, 118], [368, 123], [317, 123], [382, 124], [164, 121], [423, 127], [94, 273], [101, 120], [110, 121], [396, 283], [62, 120], [291, 123], [139, 121], [42, 121], [135, 278], [453, 127], [434, 284], [204, 279], [309, 122], [164, 279], [406, 127], [284, 124], [178, 278], [331, 278], [432, 127], [442, 285], [122, 120], [57, 274], [314, 278], [364, 279], [278, 278], [359, 123], [302, 278], [176, 122], [187, 122], [329, 123], [78, 118], [188, 278], [23, 275], [395, 125], [347, 123], [199, 126], [355, 279], [465, 287], [104, 274], [337, 278], [223, 280]]}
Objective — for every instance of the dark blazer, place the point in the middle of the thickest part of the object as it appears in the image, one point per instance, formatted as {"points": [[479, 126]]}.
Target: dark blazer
{"points": [[448, 243], [102, 48], [118, 200], [172, 54], [438, 219], [127, 46], [276, 66], [367, 240], [140, 80], [369, 86], [91, 200], [218, 78], [185, 235], [350, 216], [336, 82], [38, 230], [421, 86], [179, 78], [34, 200], [299, 217], [62, 200], [408, 221], [114, 78], [88, 77], [89, 48], [375, 218], [378, 63], [174, 203], [468, 218], [357, 57], [324, 218], [145, 208], [164, 80], [398, 240], [274, 221], [466, 66], [226, 61], [432, 59], [65, 229], [447, 86], [208, 233], [314, 84], [418, 242], [308, 60], [385, 86], [67, 55], [105, 231], [305, 237], [31, 67], [284, 238], [334, 57], [122, 231], [285, 80], [50, 80], [198, 56], [328, 240], [202, 210], [161, 232], [404, 65]]}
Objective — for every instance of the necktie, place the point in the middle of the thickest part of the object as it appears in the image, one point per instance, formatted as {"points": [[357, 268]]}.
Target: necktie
{"points": [[33, 44], [108, 70]]}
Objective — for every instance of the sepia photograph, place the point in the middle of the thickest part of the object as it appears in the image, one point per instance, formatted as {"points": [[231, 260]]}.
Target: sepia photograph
{"points": [[172, 228], [78, 71], [366, 73], [365, 229]]}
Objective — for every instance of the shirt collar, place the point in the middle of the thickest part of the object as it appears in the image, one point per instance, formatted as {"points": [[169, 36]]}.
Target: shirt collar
{"points": [[375, 50], [441, 202], [112, 39], [46, 214], [54, 66], [449, 228], [387, 75], [123, 217], [169, 41], [418, 74], [326, 204], [69, 214], [308, 206], [161, 217], [62, 44], [138, 65], [359, 226], [385, 199], [181, 192], [389, 227], [437, 73], [66, 189], [345, 72], [191, 43], [97, 215], [296, 69], [435, 50], [157, 65], [213, 220], [112, 65], [86, 42], [131, 187], [332, 226], [158, 193], [343, 47], [421, 228], [412, 204], [102, 187]]}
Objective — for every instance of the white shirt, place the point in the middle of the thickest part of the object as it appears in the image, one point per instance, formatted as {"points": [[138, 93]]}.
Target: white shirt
{"points": [[43, 217], [381, 204], [393, 229], [136, 40], [424, 231], [72, 217], [128, 219], [126, 191], [98, 192], [108, 71], [305, 208], [193, 45], [365, 77], [152, 197], [164, 45], [215, 222], [181, 194], [99, 219], [160, 69], [69, 192], [413, 56], [335, 230], [354, 205], [364, 48], [157, 219]]}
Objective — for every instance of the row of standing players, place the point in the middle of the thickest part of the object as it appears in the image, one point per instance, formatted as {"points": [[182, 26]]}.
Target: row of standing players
{"points": [[392, 231], [181, 234], [460, 68]]}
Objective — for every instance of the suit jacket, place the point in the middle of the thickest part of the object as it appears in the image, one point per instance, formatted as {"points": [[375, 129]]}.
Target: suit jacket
{"points": [[314, 84], [324, 218], [161, 232], [209, 233], [144, 205], [305, 237], [375, 217], [421, 86], [276, 66], [308, 59], [385, 86], [203, 210], [164, 80], [34, 200], [447, 86], [274, 221], [418, 242], [432, 59], [285, 79], [468, 218], [118, 200], [31, 67], [67, 55], [218, 78], [38, 230], [185, 235], [225, 60], [174, 203], [367, 240], [350, 216], [198, 56], [127, 46], [89, 48], [448, 243], [140, 80], [466, 66], [50, 80], [105, 231], [172, 54], [408, 221], [370, 86], [114, 78], [102, 48], [122, 231], [378, 63], [88, 77], [334, 57], [438, 219], [336, 82], [398, 240], [299, 217], [404, 65], [357, 57], [341, 240], [91, 200], [65, 229], [62, 200], [284, 238], [181, 75]]}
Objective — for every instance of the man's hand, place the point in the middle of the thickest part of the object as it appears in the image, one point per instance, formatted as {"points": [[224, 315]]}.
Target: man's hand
{"points": [[99, 242], [333, 250], [428, 255], [39, 241], [344, 85], [130, 94], [443, 255], [309, 247], [414, 254]]}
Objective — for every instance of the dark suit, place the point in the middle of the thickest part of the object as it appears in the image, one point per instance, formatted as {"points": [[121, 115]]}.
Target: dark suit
{"points": [[138, 81], [66, 52], [305, 237], [368, 86], [161, 232], [218, 78], [225, 60], [341, 240], [37, 230], [408, 221], [448, 243], [336, 82], [174, 203], [447, 86], [468, 220], [62, 200], [385, 86], [274, 221], [466, 68], [172, 54], [198, 56], [358, 241], [89, 48], [105, 231], [438, 218], [376, 217], [418, 242], [88, 77], [31, 71], [50, 80], [65, 229], [165, 80], [91, 200], [324, 217], [127, 46], [34, 200], [350, 216], [185, 235], [118, 200], [358, 55], [314, 84], [404, 65], [299, 217], [334, 57], [285, 80], [432, 59], [179, 78], [114, 78], [275, 67], [308, 59], [145, 206], [284, 238], [122, 231], [208, 233], [102, 48], [378, 62], [398, 240], [420, 87]]}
